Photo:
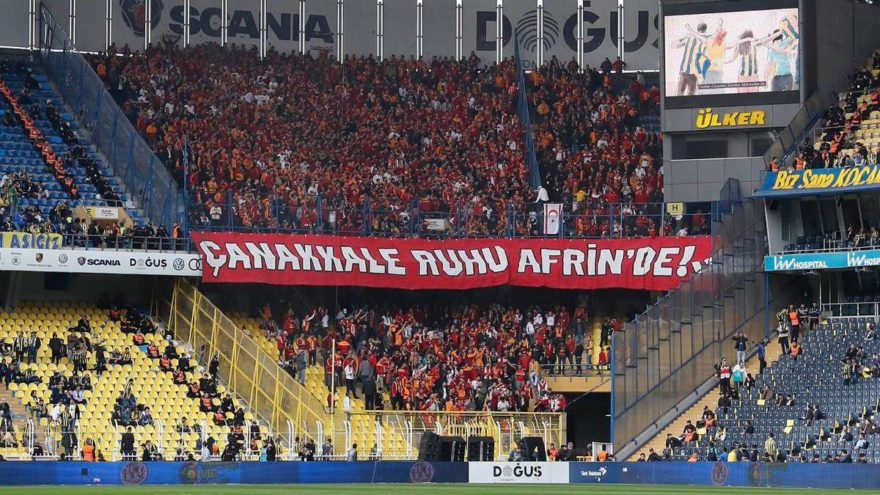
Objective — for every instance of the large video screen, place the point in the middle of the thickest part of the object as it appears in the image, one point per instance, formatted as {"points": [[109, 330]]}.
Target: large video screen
{"points": [[727, 53]]}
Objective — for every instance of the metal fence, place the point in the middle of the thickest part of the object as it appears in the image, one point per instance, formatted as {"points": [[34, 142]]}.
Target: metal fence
{"points": [[299, 416], [271, 393], [151, 186], [461, 221], [853, 308], [45, 439], [668, 351]]}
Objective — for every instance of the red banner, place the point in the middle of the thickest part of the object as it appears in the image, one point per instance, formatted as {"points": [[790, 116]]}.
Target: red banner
{"points": [[648, 264]]}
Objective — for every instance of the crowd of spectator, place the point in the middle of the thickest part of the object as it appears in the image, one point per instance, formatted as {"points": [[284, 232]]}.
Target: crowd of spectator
{"points": [[839, 144], [394, 147], [292, 127], [711, 432], [464, 358], [203, 387], [592, 148]]}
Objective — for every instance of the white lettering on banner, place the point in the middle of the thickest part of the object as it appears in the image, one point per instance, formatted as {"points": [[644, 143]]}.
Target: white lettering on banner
{"points": [[454, 262], [859, 259], [781, 263], [96, 261], [518, 472]]}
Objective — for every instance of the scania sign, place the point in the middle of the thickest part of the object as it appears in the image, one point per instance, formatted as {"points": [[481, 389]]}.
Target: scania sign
{"points": [[102, 262], [282, 26]]}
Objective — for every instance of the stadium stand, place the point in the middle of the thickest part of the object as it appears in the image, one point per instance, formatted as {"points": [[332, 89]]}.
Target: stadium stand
{"points": [[49, 170], [818, 405], [353, 173], [372, 135], [84, 375]]}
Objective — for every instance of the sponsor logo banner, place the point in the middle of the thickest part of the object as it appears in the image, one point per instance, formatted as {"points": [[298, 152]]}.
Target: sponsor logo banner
{"points": [[115, 262], [706, 118], [26, 240], [594, 472], [518, 472], [605, 33], [103, 212], [828, 180], [642, 264], [821, 261]]}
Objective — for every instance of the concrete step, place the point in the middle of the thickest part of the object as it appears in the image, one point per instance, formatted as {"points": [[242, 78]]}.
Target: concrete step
{"points": [[695, 412]]}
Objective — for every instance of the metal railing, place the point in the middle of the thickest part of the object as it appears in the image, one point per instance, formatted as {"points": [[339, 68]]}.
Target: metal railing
{"points": [[668, 351], [50, 442], [151, 186], [523, 221], [396, 435], [562, 370], [269, 390], [862, 308], [127, 243], [833, 246]]}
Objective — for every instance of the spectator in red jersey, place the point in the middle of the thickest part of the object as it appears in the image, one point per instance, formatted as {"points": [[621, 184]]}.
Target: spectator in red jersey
{"points": [[374, 140]]}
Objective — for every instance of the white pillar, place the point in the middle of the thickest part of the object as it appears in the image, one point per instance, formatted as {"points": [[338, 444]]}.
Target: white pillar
{"points": [[459, 12], [580, 33], [108, 25], [499, 32], [420, 28]]}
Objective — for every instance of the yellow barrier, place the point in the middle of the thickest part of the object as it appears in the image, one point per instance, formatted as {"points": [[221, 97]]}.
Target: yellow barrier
{"points": [[251, 373], [275, 396]]}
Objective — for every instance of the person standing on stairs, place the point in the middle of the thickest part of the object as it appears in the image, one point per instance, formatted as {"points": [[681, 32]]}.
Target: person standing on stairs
{"points": [[349, 377], [794, 318], [762, 356], [724, 374], [741, 341], [783, 337]]}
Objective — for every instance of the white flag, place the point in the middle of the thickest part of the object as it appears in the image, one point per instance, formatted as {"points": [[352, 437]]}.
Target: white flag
{"points": [[552, 218]]}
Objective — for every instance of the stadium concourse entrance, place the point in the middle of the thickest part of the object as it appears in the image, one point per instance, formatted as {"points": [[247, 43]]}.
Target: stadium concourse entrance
{"points": [[586, 387]]}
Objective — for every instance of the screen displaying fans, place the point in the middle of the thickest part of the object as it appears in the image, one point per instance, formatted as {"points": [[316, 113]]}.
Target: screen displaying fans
{"points": [[732, 52]]}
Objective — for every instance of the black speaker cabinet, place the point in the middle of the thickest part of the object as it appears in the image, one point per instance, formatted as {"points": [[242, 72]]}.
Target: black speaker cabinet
{"points": [[452, 449], [533, 449], [480, 448], [429, 447]]}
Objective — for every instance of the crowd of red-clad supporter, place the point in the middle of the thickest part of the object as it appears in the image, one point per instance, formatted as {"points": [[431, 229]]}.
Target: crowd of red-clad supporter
{"points": [[293, 127], [464, 358], [594, 152], [305, 143]]}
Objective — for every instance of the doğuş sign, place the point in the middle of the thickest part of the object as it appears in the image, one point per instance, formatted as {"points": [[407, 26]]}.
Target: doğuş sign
{"points": [[643, 264]]}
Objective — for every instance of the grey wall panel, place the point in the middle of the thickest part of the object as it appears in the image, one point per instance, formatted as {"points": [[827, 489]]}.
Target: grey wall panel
{"points": [[360, 27], [14, 28], [439, 17], [478, 34], [400, 28], [641, 33]]}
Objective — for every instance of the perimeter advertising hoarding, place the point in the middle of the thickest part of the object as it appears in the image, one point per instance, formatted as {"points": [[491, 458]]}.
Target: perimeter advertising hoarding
{"points": [[823, 181], [100, 261], [822, 261], [518, 472]]}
